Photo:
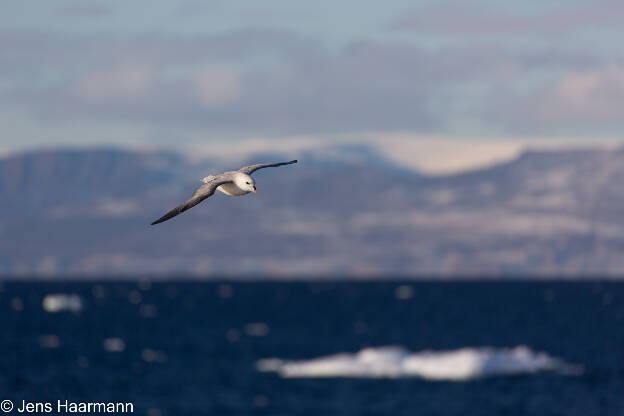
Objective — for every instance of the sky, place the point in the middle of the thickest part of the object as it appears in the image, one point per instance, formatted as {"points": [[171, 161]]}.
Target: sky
{"points": [[186, 72]]}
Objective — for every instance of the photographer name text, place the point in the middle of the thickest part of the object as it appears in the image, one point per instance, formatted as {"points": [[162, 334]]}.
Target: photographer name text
{"points": [[66, 406]]}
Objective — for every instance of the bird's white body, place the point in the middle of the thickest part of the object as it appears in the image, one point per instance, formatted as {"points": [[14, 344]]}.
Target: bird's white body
{"points": [[232, 189], [242, 184]]}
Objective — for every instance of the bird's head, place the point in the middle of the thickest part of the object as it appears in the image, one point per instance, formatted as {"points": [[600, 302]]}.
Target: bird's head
{"points": [[245, 182]]}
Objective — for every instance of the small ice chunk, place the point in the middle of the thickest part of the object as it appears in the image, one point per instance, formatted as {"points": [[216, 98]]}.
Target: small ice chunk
{"points": [[172, 292], [17, 304], [114, 344], [404, 292], [153, 356], [360, 327], [261, 400], [148, 311], [135, 297], [256, 329], [82, 361], [60, 302], [98, 291], [232, 335], [225, 291], [49, 341]]}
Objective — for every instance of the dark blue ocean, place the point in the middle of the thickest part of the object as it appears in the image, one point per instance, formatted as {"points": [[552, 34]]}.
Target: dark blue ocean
{"points": [[193, 348]]}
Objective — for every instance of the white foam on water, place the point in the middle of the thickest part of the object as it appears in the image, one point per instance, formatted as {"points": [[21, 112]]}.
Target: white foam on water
{"points": [[396, 362], [60, 302]]}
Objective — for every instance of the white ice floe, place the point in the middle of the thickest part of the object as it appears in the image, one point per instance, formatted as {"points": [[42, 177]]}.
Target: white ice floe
{"points": [[60, 302], [394, 362]]}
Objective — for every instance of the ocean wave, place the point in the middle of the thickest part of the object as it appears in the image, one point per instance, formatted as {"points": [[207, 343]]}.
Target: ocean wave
{"points": [[396, 362]]}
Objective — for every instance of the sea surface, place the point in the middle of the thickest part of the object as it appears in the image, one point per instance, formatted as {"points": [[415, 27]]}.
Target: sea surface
{"points": [[285, 348]]}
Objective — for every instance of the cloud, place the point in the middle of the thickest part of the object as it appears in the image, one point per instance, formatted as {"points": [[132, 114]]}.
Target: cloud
{"points": [[453, 19], [216, 82], [585, 98], [253, 83], [216, 87], [122, 82], [41, 52], [83, 9]]}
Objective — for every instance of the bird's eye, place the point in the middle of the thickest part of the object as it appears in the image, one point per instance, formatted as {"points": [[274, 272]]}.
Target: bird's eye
{"points": [[247, 183]]}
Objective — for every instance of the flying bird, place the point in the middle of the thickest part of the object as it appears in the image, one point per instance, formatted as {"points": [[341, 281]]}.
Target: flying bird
{"points": [[235, 183]]}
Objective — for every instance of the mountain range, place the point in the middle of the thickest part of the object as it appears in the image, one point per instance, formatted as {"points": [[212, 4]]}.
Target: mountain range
{"points": [[345, 212]]}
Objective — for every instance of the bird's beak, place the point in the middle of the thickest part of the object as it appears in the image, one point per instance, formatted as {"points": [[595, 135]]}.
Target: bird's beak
{"points": [[255, 191]]}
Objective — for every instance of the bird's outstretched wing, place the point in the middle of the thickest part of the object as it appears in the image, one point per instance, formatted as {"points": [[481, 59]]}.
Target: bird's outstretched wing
{"points": [[252, 168], [201, 193]]}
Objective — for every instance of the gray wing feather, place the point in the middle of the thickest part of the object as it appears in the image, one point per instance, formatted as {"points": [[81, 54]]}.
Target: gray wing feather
{"points": [[252, 168], [198, 196]]}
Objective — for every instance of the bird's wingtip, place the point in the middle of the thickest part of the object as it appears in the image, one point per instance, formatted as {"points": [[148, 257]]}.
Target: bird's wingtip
{"points": [[293, 161]]}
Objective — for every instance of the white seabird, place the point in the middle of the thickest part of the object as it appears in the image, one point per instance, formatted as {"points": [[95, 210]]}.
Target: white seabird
{"points": [[235, 183]]}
